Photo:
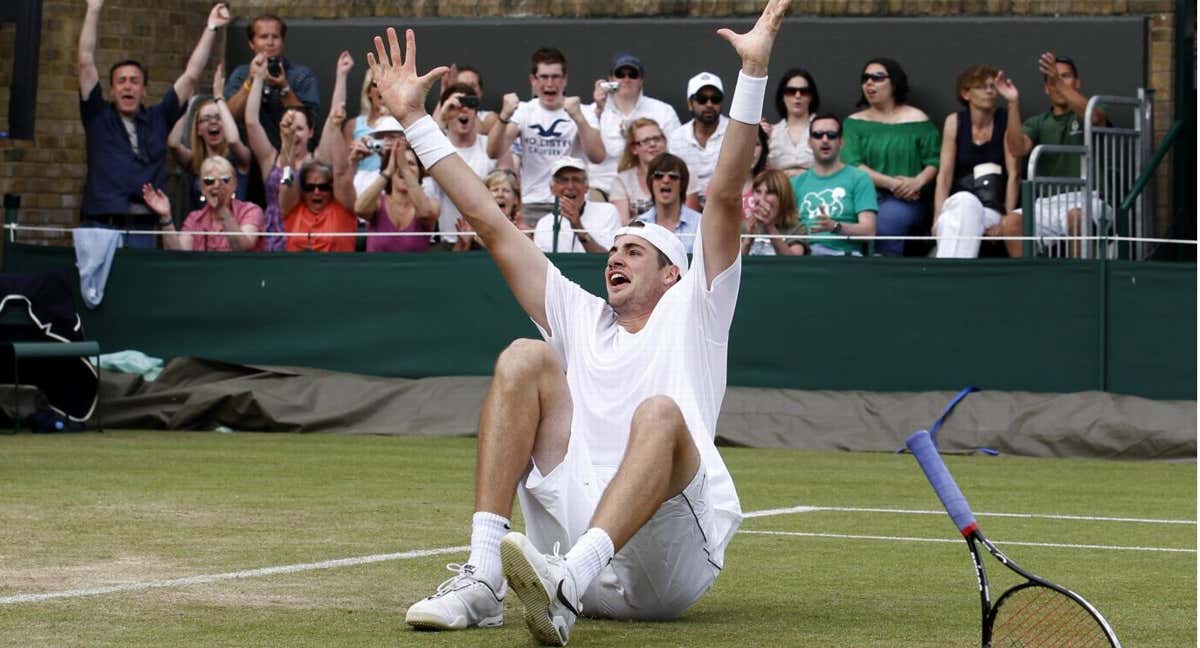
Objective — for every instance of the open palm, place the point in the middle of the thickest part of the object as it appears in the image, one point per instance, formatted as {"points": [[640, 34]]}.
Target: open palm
{"points": [[400, 87], [754, 47]]}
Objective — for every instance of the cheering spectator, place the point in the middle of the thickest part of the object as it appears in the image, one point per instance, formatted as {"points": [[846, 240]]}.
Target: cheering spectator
{"points": [[457, 111], [762, 149], [619, 101], [224, 224], [287, 84], [668, 178], [127, 142], [579, 225], [387, 132], [212, 132], [644, 141], [977, 166], [834, 199], [1062, 214], [773, 214], [317, 213], [897, 146], [394, 203], [796, 101], [505, 187], [550, 126], [359, 131], [698, 141]]}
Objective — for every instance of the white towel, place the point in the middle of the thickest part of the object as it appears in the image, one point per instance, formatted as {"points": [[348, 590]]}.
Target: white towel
{"points": [[94, 248]]}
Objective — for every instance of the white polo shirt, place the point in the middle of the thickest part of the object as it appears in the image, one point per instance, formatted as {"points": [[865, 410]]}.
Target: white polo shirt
{"points": [[612, 124], [701, 159]]}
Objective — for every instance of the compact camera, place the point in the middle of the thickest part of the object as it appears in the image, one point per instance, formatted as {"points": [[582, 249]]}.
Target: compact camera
{"points": [[375, 146], [468, 101], [610, 86]]}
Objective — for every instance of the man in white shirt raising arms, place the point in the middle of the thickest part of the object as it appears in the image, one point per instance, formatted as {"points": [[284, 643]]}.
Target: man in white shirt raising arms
{"points": [[550, 126], [604, 430]]}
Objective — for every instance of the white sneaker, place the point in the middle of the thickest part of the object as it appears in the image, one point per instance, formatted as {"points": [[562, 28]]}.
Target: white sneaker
{"points": [[544, 585], [461, 602]]}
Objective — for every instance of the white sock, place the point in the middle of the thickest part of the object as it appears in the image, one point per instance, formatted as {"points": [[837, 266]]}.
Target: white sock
{"points": [[592, 553], [487, 529]]}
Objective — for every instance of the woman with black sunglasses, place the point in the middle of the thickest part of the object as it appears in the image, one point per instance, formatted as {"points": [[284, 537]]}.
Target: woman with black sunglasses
{"points": [[796, 101], [898, 146]]}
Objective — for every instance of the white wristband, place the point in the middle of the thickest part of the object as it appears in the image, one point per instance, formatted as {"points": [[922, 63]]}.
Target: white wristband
{"points": [[428, 141], [747, 103]]}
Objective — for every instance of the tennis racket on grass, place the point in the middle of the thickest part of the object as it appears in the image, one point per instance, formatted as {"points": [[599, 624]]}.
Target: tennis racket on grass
{"points": [[1036, 612]]}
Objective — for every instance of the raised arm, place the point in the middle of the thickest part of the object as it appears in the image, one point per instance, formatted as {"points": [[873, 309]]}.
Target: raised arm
{"points": [[241, 154], [324, 150], [403, 91], [720, 227], [1016, 142], [503, 131], [589, 136], [85, 57], [343, 172], [1076, 100], [178, 144], [260, 144], [185, 85]]}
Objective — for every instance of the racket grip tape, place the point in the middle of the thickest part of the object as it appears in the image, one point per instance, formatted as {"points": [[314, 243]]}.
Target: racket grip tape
{"points": [[943, 483]]}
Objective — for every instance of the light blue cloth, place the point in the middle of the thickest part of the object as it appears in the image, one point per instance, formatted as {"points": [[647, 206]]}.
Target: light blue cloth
{"points": [[134, 362], [686, 230], [94, 248]]}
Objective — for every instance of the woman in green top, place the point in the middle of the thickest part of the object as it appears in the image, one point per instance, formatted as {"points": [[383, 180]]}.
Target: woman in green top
{"points": [[897, 145]]}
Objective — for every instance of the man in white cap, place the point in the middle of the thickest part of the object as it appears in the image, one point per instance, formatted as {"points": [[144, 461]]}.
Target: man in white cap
{"points": [[615, 107], [579, 225], [699, 140], [605, 429]]}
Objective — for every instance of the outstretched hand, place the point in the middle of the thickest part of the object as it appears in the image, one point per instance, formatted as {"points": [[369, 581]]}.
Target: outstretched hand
{"points": [[156, 200], [1006, 87], [400, 87], [754, 47]]}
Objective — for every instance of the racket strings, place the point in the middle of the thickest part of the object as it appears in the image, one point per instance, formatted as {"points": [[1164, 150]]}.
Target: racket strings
{"points": [[1044, 618]]}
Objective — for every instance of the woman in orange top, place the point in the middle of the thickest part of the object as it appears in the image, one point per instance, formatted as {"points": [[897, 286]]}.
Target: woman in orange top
{"points": [[318, 213]]}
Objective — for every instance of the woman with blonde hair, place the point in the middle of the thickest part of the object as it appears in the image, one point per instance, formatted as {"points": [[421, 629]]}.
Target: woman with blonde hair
{"points": [[213, 131], [224, 224], [773, 214], [506, 189], [358, 131], [644, 141]]}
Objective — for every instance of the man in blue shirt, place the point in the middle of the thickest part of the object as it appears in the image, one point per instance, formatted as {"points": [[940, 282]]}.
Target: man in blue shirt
{"points": [[288, 85], [126, 141]]}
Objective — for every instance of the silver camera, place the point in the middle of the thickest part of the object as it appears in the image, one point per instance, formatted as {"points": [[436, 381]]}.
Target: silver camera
{"points": [[375, 146], [610, 86]]}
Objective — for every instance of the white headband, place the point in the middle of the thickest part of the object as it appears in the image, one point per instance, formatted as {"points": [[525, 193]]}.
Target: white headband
{"points": [[662, 239]]}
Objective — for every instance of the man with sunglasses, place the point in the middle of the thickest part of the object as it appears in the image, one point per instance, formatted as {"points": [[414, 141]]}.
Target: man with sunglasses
{"points": [[834, 200], [580, 224], [614, 110], [668, 178], [605, 428], [699, 140]]}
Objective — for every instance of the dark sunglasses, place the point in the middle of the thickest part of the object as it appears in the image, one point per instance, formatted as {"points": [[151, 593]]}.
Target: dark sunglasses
{"points": [[877, 77], [317, 186], [829, 135], [714, 99], [659, 175], [210, 181], [794, 90], [627, 73]]}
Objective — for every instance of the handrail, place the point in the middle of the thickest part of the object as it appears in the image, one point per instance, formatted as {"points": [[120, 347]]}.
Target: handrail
{"points": [[1159, 154]]}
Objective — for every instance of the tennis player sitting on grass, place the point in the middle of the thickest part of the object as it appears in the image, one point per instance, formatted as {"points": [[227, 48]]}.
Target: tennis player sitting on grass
{"points": [[604, 430]]}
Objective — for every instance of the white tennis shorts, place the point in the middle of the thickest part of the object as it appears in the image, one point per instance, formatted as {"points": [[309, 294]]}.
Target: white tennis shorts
{"points": [[662, 570]]}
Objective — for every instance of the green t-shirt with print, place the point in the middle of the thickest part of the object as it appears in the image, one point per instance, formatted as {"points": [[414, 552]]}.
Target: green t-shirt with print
{"points": [[843, 195], [1048, 128]]}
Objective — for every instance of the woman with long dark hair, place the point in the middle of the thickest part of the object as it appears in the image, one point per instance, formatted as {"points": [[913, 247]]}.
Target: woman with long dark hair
{"points": [[796, 101]]}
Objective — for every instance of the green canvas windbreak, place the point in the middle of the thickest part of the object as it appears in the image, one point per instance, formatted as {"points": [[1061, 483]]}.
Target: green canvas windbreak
{"points": [[874, 324]]}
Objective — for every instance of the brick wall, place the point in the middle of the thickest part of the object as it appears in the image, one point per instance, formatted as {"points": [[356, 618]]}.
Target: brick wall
{"points": [[48, 172]]}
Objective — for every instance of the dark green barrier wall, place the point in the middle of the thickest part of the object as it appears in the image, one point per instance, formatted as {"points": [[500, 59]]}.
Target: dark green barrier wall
{"points": [[812, 323]]}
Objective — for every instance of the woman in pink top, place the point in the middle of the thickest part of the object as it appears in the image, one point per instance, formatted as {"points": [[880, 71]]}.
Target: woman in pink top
{"points": [[224, 224], [394, 202]]}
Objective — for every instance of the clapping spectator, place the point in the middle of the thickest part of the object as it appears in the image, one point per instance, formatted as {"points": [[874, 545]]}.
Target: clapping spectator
{"points": [[796, 101], [669, 179], [834, 199], [359, 131], [127, 142], [698, 141], [394, 202], [619, 101], [550, 126], [458, 112], [1062, 214], [898, 147], [287, 85], [223, 224], [578, 225], [977, 177], [211, 131], [773, 214], [644, 141]]}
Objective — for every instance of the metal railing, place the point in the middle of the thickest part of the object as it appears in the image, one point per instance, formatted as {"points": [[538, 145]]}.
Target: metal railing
{"points": [[1075, 215]]}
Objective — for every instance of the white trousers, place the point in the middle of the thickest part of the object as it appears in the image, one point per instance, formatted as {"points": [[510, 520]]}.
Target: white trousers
{"points": [[962, 216]]}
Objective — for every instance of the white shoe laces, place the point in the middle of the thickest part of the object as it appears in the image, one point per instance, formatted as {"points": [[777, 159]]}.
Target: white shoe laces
{"points": [[460, 572]]}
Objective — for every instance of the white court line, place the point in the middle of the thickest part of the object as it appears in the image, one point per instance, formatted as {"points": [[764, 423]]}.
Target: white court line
{"points": [[1014, 543], [422, 553], [1039, 516]]}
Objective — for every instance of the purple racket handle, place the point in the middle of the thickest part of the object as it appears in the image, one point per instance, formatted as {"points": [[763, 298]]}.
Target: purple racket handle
{"points": [[943, 484]]}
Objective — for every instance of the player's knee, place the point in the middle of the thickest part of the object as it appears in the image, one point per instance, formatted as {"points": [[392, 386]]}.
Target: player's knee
{"points": [[525, 357], [658, 413]]}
